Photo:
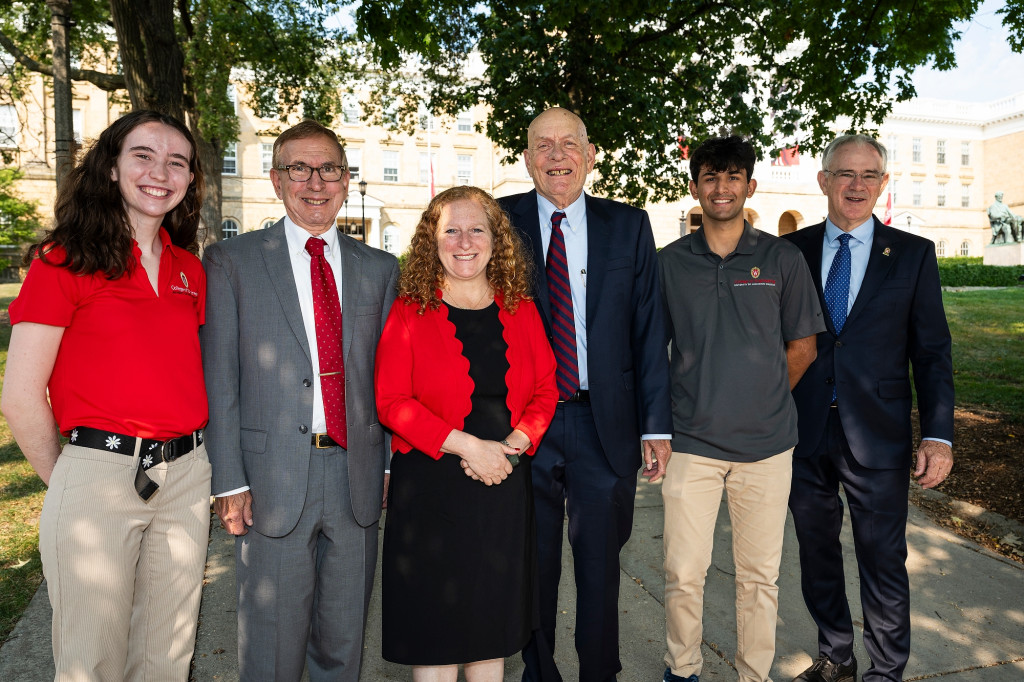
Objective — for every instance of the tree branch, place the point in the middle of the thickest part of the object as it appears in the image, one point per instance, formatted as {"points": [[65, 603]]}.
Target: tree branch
{"points": [[103, 81]]}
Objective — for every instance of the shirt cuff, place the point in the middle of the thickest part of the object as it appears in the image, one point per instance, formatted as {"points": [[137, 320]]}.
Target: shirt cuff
{"points": [[233, 492], [656, 436], [940, 440]]}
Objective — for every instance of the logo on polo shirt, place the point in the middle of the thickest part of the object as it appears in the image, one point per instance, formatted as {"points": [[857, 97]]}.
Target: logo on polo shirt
{"points": [[755, 272], [755, 280], [185, 289]]}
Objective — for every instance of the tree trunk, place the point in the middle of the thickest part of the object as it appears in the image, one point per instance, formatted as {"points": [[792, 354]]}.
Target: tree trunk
{"points": [[60, 11], [210, 159], [154, 64]]}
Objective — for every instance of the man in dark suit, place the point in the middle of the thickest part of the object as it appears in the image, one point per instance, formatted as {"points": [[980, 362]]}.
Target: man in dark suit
{"points": [[880, 287], [598, 293], [298, 455]]}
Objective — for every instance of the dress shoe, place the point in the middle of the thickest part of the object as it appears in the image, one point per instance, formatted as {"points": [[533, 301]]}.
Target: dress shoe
{"points": [[826, 670], [669, 677]]}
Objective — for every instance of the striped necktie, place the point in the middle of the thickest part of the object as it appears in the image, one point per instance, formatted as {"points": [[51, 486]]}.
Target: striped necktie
{"points": [[563, 325]]}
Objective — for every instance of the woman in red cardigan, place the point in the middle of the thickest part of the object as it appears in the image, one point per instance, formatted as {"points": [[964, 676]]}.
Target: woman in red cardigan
{"points": [[465, 380]]}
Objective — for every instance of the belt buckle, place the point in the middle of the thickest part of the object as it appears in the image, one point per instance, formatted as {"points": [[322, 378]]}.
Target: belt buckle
{"points": [[319, 445]]}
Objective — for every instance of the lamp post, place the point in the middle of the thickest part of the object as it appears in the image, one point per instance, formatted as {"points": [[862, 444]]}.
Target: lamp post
{"points": [[908, 223], [362, 195]]}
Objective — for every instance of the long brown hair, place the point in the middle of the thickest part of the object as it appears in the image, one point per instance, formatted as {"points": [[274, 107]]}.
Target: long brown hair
{"points": [[509, 271], [90, 219]]}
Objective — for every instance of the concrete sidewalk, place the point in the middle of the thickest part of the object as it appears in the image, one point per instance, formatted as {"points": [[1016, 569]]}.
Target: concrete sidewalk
{"points": [[968, 613]]}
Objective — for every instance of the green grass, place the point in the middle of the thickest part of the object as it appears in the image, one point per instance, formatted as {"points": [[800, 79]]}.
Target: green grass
{"points": [[988, 349], [21, 500]]}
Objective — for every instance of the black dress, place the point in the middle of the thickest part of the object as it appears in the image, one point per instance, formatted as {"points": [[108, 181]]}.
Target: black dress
{"points": [[458, 565]]}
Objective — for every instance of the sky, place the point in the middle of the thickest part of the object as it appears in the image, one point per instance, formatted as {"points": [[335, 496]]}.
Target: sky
{"points": [[987, 68]]}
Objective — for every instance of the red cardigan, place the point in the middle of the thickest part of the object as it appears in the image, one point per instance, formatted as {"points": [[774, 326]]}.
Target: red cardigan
{"points": [[422, 379]]}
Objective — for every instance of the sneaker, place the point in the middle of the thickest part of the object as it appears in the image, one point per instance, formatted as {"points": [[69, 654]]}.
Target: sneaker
{"points": [[826, 670], [669, 677]]}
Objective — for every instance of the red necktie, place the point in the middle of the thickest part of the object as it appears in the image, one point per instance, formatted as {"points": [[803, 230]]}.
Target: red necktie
{"points": [[327, 316], [563, 324]]}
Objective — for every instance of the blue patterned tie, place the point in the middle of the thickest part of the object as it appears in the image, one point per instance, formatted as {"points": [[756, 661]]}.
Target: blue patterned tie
{"points": [[563, 325], [837, 289]]}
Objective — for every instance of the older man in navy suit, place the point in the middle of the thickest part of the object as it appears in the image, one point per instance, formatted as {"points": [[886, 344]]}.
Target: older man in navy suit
{"points": [[880, 287], [598, 292]]}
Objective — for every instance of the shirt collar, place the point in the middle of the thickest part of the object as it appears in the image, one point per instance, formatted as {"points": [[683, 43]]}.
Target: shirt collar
{"points": [[575, 212], [297, 238], [863, 233], [746, 245]]}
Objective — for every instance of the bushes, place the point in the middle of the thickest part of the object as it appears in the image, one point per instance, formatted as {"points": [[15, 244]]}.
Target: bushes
{"points": [[969, 272]]}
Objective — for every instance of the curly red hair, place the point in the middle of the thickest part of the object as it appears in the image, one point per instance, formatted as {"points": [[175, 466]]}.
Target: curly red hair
{"points": [[509, 271]]}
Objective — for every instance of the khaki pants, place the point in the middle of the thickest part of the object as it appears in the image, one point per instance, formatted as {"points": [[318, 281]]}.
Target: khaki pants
{"points": [[758, 493], [124, 576]]}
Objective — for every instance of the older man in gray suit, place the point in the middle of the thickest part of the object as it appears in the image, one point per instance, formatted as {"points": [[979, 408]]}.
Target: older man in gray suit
{"points": [[293, 317]]}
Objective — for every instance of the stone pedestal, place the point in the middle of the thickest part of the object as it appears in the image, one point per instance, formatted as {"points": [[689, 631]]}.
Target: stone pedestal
{"points": [[1004, 254]]}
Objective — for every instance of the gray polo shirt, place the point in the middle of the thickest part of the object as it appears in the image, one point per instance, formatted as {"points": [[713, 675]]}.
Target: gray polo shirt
{"points": [[731, 319]]}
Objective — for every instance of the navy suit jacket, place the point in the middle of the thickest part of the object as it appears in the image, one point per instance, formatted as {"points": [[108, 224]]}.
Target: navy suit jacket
{"points": [[897, 321], [627, 360]]}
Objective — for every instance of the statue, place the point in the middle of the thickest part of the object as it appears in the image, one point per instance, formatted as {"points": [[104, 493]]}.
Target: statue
{"points": [[1005, 225]]}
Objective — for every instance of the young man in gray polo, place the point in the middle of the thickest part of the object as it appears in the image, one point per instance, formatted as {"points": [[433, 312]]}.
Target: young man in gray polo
{"points": [[744, 315]]}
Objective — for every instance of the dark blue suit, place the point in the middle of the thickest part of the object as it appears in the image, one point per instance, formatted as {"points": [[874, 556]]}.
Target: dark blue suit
{"points": [[587, 463], [865, 442]]}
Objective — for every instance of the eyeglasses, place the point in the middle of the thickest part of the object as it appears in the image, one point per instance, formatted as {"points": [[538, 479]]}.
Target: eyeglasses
{"points": [[300, 172], [848, 176]]}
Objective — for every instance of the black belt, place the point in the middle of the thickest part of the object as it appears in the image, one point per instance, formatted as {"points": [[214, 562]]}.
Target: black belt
{"points": [[321, 441], [580, 396], [151, 452]]}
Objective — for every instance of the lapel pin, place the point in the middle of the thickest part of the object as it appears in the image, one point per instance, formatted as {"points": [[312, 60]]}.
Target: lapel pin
{"points": [[886, 251]]}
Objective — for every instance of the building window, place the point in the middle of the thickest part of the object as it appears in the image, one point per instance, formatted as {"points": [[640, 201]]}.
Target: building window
{"points": [[965, 196], [940, 197], [268, 105], [940, 249], [268, 223], [940, 152], [464, 169], [232, 97], [965, 153], [350, 109], [76, 125], [229, 227], [267, 156], [965, 248], [390, 164], [425, 167], [230, 166], [8, 126], [917, 193], [464, 123], [891, 144], [391, 239], [917, 150], [355, 162], [427, 120]]}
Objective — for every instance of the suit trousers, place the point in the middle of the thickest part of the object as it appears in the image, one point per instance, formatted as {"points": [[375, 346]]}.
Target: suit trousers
{"points": [[757, 495], [571, 476], [124, 575], [878, 514], [303, 597]]}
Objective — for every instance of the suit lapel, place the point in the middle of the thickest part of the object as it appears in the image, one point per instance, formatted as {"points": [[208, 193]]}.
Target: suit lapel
{"points": [[598, 242], [812, 244], [279, 268], [884, 252], [351, 275]]}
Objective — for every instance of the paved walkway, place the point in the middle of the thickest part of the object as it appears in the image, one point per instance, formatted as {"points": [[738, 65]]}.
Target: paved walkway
{"points": [[968, 613]]}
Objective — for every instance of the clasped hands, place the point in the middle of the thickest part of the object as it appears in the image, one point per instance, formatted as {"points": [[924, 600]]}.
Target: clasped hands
{"points": [[487, 460]]}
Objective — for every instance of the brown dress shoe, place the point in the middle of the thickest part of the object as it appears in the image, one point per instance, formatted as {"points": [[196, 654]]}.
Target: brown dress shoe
{"points": [[826, 670]]}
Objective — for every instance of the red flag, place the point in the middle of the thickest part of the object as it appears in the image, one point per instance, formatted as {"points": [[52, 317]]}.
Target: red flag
{"points": [[790, 156], [888, 209]]}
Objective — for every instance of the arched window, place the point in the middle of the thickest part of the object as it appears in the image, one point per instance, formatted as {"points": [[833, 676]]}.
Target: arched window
{"points": [[940, 249], [391, 239], [269, 222], [965, 248], [229, 227]]}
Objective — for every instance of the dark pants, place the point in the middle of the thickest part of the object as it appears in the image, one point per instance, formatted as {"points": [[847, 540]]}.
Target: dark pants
{"points": [[572, 477], [878, 513]]}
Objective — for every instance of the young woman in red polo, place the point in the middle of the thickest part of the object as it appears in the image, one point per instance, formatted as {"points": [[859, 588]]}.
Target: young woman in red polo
{"points": [[107, 322]]}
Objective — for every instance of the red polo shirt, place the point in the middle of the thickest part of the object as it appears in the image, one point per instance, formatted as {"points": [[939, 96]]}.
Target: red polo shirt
{"points": [[129, 360]]}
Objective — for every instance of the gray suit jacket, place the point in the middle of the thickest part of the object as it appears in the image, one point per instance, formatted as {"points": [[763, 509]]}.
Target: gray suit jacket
{"points": [[259, 374]]}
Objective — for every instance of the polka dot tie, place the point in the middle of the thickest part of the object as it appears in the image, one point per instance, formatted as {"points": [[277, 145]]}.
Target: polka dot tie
{"points": [[563, 324], [327, 317], [837, 289]]}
